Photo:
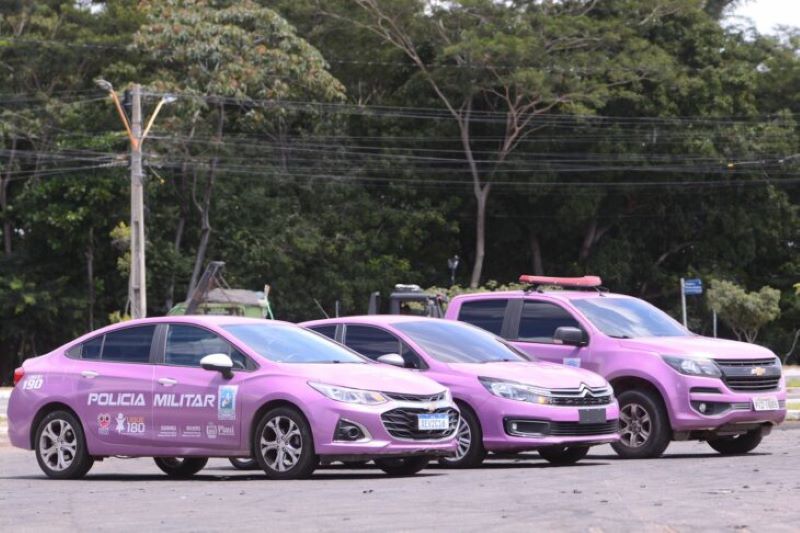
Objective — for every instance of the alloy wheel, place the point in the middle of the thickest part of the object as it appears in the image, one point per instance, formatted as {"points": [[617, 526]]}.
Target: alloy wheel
{"points": [[635, 425], [58, 445], [463, 438], [281, 443]]}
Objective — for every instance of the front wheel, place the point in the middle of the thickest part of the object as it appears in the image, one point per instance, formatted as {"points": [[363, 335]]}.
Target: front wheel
{"points": [[737, 444], [644, 425], [61, 447], [470, 452], [243, 463], [180, 467], [402, 466], [563, 455], [283, 445]]}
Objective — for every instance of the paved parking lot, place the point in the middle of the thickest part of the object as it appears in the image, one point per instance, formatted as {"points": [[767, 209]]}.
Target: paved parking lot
{"points": [[688, 489]]}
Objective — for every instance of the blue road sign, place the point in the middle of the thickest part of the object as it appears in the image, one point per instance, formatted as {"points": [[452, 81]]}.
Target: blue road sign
{"points": [[692, 286]]}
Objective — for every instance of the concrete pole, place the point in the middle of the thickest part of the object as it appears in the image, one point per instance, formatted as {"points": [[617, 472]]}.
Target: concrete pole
{"points": [[137, 285]]}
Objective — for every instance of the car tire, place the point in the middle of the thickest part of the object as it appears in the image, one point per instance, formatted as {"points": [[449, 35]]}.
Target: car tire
{"points": [[644, 425], [470, 452], [563, 455], [283, 444], [180, 467], [61, 446], [737, 444], [244, 463], [402, 466]]}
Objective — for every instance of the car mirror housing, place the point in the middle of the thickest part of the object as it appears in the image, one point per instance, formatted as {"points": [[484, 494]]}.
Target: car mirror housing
{"points": [[569, 336], [218, 362], [392, 359]]}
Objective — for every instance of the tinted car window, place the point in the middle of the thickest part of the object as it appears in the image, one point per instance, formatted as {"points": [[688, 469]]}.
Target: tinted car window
{"points": [[291, 344], [486, 314], [91, 349], [540, 320], [375, 342], [627, 318], [187, 345], [328, 331], [371, 342], [129, 345]]}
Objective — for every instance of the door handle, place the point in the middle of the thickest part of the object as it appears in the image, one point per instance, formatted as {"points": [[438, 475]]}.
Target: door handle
{"points": [[89, 374], [168, 382]]}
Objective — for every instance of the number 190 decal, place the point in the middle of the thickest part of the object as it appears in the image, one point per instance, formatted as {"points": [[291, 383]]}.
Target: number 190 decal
{"points": [[34, 382]]}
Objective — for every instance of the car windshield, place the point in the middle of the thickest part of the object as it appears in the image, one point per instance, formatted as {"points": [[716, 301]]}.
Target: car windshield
{"points": [[628, 318], [455, 342], [289, 344]]}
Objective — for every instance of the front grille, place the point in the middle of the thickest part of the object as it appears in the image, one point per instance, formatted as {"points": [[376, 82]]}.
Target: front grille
{"points": [[402, 423], [428, 398], [574, 429], [581, 396], [559, 429], [750, 375]]}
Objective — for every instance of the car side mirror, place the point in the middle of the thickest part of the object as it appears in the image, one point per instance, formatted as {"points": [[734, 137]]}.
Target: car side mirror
{"points": [[392, 359], [569, 336], [218, 362]]}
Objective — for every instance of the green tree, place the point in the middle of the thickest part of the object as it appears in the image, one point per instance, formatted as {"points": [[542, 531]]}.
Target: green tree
{"points": [[744, 312]]}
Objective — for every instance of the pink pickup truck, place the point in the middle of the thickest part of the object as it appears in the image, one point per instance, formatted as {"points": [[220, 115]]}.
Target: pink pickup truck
{"points": [[670, 383]]}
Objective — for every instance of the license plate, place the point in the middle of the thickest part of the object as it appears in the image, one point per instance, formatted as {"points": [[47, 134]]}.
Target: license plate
{"points": [[769, 403], [432, 422], [592, 416]]}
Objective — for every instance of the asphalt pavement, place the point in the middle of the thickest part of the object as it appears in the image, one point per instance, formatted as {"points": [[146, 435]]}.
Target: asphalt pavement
{"points": [[690, 488]]}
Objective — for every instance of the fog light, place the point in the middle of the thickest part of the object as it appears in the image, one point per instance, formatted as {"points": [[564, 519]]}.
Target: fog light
{"points": [[347, 431], [702, 407], [514, 427]]}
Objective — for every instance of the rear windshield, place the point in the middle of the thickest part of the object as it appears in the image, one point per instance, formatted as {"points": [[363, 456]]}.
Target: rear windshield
{"points": [[628, 318], [290, 344], [455, 342]]}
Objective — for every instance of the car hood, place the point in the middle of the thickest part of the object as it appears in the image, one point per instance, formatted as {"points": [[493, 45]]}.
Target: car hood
{"points": [[377, 377], [698, 346], [546, 375]]}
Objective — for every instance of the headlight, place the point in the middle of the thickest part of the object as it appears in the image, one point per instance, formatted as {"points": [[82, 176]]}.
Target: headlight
{"points": [[348, 395], [512, 390], [693, 367]]}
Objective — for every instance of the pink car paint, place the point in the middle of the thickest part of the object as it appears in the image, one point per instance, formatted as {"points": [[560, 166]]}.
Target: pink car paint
{"points": [[154, 398], [671, 384], [579, 410]]}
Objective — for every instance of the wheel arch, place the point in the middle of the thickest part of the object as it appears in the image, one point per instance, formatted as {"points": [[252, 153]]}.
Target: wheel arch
{"points": [[628, 382], [46, 410], [263, 409]]}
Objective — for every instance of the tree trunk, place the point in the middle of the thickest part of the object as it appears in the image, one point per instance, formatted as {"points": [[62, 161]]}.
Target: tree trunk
{"points": [[176, 245], [90, 277], [536, 253], [4, 183], [482, 195], [204, 208]]}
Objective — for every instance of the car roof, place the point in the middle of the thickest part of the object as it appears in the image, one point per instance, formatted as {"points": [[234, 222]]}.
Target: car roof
{"points": [[369, 319]]}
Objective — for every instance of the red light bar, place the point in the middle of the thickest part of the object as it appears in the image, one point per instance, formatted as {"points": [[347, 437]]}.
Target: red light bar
{"points": [[585, 281]]}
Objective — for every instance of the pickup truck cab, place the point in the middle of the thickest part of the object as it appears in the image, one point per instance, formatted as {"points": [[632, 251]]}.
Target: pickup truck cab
{"points": [[670, 383]]}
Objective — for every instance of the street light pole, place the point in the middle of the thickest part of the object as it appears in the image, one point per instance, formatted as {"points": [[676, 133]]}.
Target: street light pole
{"points": [[137, 281]]}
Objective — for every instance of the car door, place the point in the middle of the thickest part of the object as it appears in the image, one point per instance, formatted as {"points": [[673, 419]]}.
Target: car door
{"points": [[115, 386], [533, 327], [193, 407], [373, 342]]}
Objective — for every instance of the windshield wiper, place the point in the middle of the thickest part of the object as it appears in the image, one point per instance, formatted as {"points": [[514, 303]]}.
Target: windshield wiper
{"points": [[620, 337]]}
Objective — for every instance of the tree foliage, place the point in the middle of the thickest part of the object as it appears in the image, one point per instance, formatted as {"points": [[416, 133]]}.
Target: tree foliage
{"points": [[744, 312]]}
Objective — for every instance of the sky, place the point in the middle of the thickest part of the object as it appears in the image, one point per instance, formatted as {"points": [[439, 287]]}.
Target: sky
{"points": [[766, 14]]}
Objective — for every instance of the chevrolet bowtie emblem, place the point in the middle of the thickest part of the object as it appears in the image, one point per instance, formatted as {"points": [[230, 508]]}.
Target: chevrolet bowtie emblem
{"points": [[758, 371]]}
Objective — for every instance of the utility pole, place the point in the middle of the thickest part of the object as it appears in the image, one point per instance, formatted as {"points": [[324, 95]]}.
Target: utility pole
{"points": [[137, 282]]}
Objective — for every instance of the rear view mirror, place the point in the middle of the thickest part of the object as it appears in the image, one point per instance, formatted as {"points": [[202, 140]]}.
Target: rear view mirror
{"points": [[569, 336], [218, 362], [392, 359]]}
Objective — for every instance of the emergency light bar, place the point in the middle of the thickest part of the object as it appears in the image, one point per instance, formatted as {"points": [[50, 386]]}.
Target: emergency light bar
{"points": [[591, 282]]}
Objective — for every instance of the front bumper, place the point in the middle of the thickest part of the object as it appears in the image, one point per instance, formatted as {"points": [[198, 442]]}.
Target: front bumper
{"points": [[378, 442], [511, 426], [724, 408]]}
